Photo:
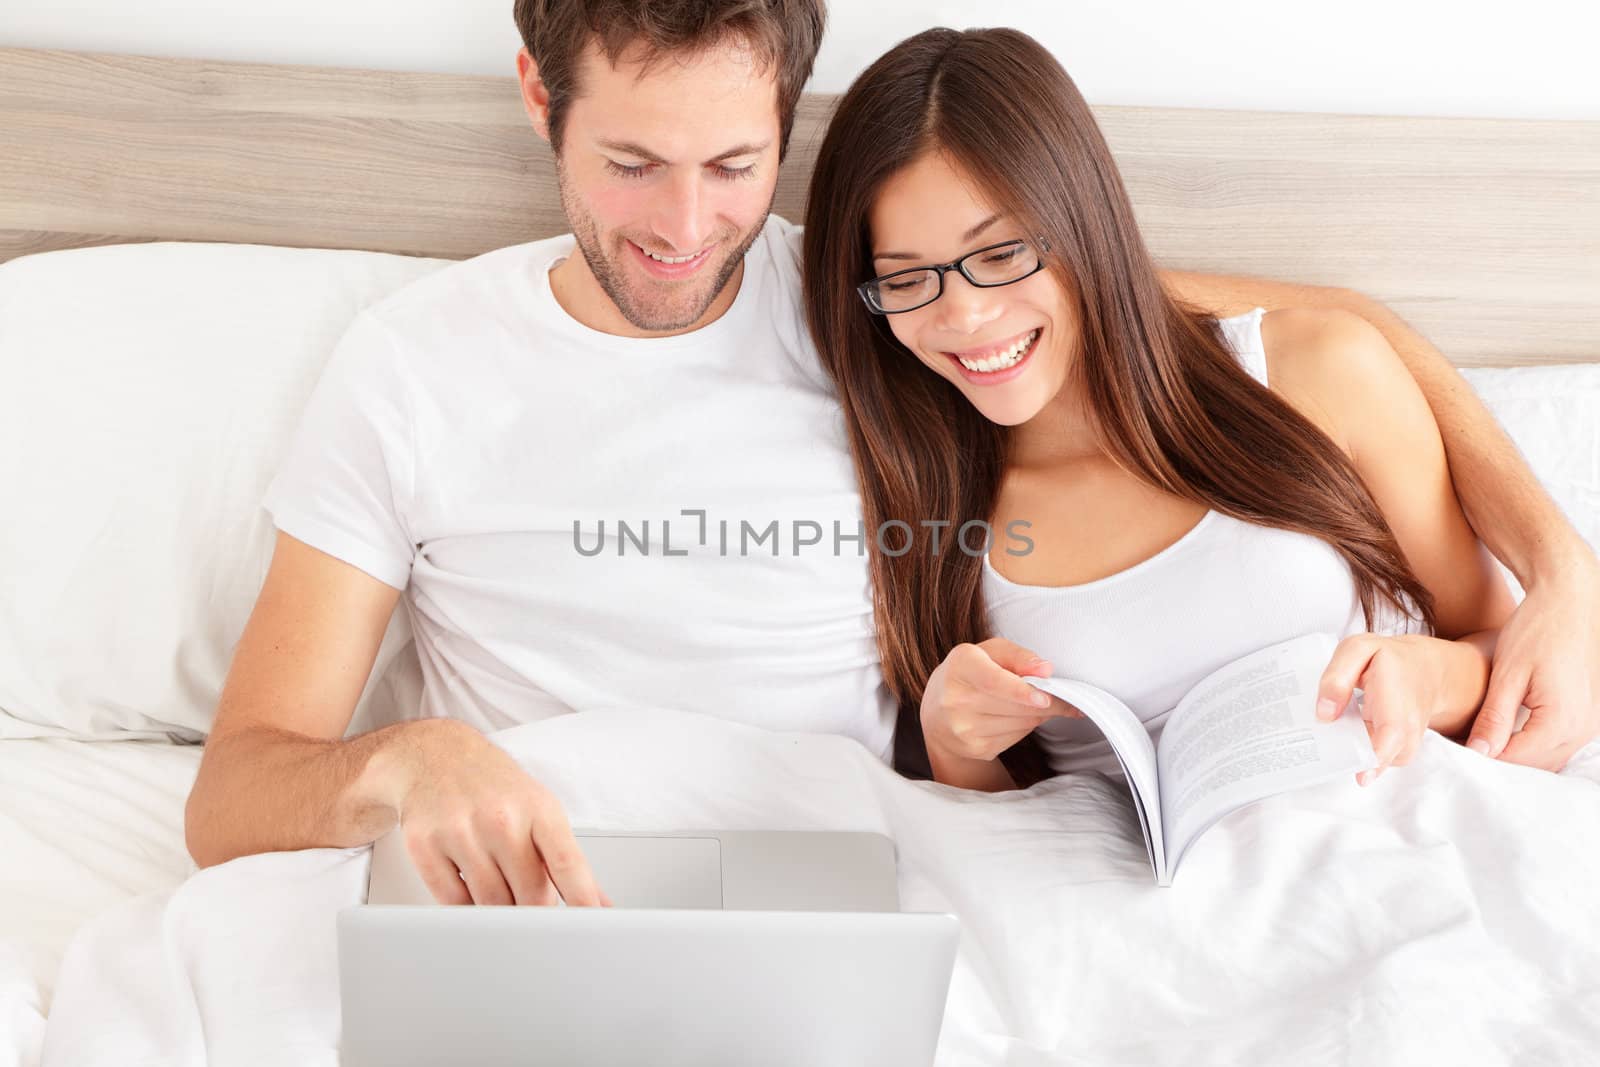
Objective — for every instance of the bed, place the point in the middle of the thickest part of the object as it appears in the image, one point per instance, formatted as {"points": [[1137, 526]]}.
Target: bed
{"points": [[187, 239]]}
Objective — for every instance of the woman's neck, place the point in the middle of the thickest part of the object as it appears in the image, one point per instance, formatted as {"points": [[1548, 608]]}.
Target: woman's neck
{"points": [[1064, 430]]}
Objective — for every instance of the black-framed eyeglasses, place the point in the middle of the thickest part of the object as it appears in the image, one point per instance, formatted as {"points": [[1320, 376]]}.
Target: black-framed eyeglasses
{"points": [[908, 290]]}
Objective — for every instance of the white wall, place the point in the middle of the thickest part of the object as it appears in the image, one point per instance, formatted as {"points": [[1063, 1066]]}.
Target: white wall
{"points": [[1532, 59]]}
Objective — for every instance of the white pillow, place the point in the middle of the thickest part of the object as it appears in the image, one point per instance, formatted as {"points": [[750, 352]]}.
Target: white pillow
{"points": [[146, 394]]}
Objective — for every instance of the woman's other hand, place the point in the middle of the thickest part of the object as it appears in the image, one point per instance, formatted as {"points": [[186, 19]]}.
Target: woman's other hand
{"points": [[1410, 683], [976, 704]]}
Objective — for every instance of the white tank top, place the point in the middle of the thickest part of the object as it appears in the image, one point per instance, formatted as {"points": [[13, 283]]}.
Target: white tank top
{"points": [[1149, 633]]}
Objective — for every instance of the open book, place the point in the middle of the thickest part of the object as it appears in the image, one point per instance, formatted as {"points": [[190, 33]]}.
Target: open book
{"points": [[1246, 731]]}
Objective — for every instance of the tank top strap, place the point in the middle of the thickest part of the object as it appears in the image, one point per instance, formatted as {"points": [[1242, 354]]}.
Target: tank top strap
{"points": [[1243, 335]]}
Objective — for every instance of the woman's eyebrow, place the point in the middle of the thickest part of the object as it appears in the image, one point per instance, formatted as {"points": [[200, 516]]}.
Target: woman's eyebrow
{"points": [[970, 235]]}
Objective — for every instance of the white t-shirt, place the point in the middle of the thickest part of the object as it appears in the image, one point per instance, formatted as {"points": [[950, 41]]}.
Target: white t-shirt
{"points": [[466, 423]]}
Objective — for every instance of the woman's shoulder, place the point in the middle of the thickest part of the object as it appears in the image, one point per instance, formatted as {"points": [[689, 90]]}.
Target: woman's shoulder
{"points": [[1317, 326], [1332, 366]]}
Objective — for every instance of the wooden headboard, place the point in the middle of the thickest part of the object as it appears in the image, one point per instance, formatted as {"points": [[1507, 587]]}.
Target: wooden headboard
{"points": [[1484, 233]]}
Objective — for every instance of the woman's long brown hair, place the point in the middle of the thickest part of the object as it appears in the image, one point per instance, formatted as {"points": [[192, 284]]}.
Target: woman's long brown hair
{"points": [[1174, 406]]}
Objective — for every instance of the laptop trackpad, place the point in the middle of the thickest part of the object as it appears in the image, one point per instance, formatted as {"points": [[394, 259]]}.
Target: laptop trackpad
{"points": [[656, 872]]}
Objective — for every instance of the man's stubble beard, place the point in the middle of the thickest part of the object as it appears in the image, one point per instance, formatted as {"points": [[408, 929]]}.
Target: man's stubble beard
{"points": [[613, 277]]}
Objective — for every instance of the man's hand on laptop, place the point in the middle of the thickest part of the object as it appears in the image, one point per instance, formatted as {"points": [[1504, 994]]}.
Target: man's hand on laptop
{"points": [[465, 806]]}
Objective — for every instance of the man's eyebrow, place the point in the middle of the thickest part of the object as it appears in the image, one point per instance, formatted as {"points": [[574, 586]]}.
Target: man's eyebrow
{"points": [[628, 148], [970, 235], [741, 150]]}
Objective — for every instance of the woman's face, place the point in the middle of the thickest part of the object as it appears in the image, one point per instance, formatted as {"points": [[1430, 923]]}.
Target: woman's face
{"points": [[930, 213]]}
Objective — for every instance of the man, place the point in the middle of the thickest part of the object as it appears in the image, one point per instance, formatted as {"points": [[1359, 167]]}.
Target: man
{"points": [[474, 434]]}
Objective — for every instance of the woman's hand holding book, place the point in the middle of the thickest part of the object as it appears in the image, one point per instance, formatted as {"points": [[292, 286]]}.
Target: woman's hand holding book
{"points": [[976, 706]]}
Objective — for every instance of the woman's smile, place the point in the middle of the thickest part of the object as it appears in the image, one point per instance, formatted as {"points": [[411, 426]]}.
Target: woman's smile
{"points": [[996, 363]]}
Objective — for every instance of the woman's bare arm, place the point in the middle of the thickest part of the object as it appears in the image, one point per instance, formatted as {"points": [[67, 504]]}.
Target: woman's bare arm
{"points": [[1340, 372], [1499, 493], [1547, 657]]}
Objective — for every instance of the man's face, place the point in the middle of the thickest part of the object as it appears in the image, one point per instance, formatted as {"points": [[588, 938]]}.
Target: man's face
{"points": [[667, 177]]}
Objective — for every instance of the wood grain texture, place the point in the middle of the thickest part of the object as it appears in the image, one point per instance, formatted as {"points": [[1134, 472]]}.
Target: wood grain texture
{"points": [[1484, 233]]}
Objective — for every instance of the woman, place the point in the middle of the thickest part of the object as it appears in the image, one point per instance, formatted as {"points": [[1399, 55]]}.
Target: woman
{"points": [[1192, 490]]}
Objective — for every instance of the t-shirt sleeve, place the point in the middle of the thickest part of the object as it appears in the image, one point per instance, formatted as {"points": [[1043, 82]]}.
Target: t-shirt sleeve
{"points": [[345, 484], [788, 250], [794, 243]]}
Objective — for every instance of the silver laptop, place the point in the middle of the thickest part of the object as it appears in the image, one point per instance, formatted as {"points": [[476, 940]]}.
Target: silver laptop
{"points": [[772, 948]]}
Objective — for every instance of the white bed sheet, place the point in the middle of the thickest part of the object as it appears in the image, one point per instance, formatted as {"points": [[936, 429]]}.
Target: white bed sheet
{"points": [[84, 825], [1444, 915]]}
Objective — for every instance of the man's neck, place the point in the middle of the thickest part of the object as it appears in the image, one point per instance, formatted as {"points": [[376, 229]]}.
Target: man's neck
{"points": [[580, 295]]}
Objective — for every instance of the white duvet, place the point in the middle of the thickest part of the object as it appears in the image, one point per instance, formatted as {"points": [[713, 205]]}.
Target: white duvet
{"points": [[84, 825], [1446, 914]]}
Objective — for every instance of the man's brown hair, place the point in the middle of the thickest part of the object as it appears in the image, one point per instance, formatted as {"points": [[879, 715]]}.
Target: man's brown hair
{"points": [[783, 35]]}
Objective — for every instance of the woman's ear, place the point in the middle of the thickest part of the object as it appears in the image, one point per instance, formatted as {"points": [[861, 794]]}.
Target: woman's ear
{"points": [[535, 97]]}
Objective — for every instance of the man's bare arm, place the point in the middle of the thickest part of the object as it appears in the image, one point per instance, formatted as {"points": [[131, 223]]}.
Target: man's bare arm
{"points": [[1548, 655], [278, 774]]}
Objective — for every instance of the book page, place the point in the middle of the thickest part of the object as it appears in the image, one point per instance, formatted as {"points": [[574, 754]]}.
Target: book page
{"points": [[1131, 742], [1249, 730]]}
